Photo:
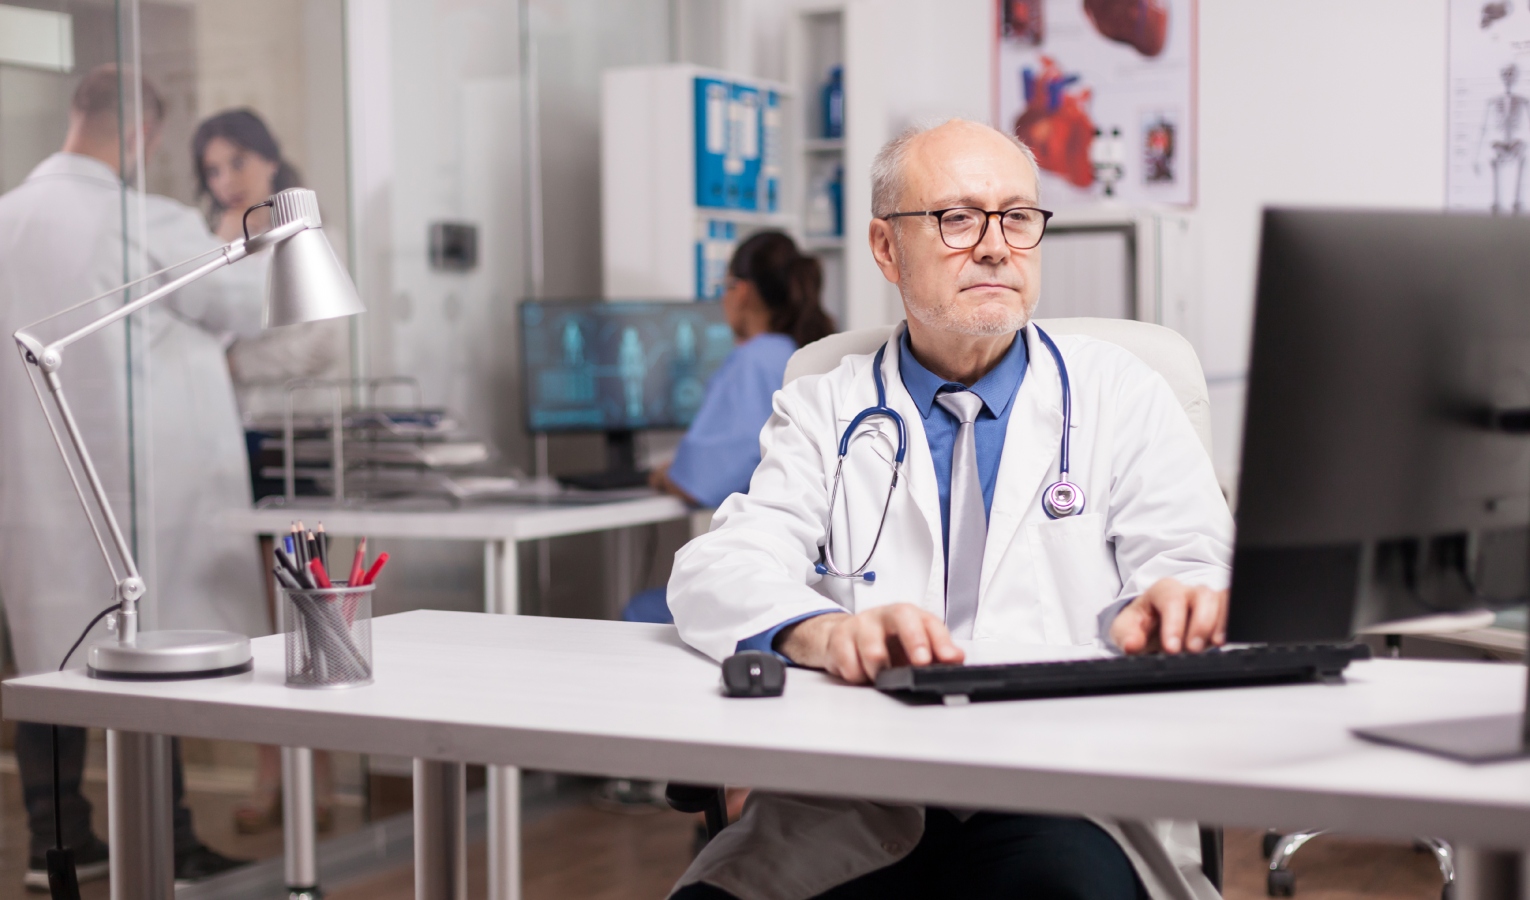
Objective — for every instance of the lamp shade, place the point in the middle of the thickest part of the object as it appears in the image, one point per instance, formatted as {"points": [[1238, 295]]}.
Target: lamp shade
{"points": [[307, 282]]}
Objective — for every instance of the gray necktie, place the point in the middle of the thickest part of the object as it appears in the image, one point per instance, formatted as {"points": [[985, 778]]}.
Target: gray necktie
{"points": [[969, 522]]}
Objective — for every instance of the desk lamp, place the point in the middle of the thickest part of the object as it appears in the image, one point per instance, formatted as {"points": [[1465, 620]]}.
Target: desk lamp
{"points": [[306, 284]]}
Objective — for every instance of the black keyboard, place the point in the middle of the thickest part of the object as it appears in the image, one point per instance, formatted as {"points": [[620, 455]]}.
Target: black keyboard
{"points": [[1228, 667], [606, 481]]}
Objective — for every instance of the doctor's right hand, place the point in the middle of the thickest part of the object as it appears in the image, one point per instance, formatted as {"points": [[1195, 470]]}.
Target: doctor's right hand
{"points": [[856, 647]]}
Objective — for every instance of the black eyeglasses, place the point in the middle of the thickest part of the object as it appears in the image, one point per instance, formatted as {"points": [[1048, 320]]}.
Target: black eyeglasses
{"points": [[963, 227]]}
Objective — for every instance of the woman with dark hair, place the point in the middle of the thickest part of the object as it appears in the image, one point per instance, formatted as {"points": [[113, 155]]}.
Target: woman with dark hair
{"points": [[239, 164], [772, 304]]}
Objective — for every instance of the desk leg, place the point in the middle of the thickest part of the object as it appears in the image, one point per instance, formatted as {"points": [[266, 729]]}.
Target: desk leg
{"points": [[440, 830], [619, 576], [299, 834], [502, 577], [139, 816], [504, 833], [1488, 875]]}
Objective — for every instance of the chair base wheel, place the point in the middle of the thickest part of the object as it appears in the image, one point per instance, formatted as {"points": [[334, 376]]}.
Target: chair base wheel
{"points": [[1280, 883], [1271, 838]]}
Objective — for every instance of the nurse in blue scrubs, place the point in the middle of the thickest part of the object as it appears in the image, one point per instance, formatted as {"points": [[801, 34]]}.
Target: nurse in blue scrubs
{"points": [[772, 304]]}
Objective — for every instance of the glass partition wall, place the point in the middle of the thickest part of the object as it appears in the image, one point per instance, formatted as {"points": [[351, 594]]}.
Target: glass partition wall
{"points": [[177, 116], [403, 115]]}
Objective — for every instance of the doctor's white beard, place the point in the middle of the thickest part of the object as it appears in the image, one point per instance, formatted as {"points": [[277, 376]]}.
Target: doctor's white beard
{"points": [[986, 321]]}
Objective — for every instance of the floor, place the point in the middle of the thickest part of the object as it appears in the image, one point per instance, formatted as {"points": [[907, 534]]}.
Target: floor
{"points": [[585, 853], [595, 855], [581, 852]]}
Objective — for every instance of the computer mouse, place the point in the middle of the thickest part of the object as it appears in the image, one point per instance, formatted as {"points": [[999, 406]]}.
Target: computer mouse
{"points": [[753, 674]]}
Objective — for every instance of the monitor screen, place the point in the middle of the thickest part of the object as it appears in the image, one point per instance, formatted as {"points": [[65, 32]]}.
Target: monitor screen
{"points": [[618, 365]]}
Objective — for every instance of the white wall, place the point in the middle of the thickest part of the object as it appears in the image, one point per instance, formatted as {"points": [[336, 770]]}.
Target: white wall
{"points": [[1300, 102], [1306, 102]]}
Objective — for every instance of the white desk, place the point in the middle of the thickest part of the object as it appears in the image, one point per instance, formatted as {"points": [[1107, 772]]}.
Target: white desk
{"points": [[499, 526], [612, 698]]}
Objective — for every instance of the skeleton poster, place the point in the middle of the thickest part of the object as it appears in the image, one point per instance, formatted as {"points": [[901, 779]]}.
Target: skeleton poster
{"points": [[1488, 106], [1104, 92]]}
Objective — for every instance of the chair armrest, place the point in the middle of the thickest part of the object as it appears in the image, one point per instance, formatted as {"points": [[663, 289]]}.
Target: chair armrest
{"points": [[696, 798]]}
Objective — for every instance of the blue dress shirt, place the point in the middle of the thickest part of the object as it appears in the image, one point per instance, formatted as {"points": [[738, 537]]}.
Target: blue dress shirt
{"points": [[997, 390], [721, 449]]}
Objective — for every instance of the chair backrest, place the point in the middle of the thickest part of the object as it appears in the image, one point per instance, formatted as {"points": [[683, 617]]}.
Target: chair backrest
{"points": [[1164, 349]]}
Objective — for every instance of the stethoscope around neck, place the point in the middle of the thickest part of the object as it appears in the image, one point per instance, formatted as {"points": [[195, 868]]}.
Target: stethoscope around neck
{"points": [[1061, 499]]}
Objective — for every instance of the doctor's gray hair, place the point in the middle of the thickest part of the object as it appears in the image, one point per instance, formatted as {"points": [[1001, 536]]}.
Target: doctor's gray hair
{"points": [[887, 167]]}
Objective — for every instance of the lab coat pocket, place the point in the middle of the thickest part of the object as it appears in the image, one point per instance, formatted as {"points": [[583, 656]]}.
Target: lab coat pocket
{"points": [[1076, 575]]}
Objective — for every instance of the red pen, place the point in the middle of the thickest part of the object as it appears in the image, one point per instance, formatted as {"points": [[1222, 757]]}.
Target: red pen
{"points": [[358, 565], [320, 577], [371, 576]]}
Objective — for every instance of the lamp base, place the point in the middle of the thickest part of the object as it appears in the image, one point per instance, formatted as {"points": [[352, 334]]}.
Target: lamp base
{"points": [[172, 655]]}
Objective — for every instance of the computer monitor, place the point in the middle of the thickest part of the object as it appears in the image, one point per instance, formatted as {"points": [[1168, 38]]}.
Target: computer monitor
{"points": [[1386, 447], [618, 366]]}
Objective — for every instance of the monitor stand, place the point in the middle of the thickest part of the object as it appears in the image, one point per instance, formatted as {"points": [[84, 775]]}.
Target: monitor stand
{"points": [[1476, 740], [621, 467]]}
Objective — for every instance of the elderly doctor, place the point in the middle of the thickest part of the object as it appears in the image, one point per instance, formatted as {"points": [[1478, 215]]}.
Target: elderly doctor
{"points": [[968, 549]]}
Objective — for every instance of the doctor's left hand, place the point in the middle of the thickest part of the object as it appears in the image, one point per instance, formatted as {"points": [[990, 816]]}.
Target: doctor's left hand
{"points": [[1172, 617]]}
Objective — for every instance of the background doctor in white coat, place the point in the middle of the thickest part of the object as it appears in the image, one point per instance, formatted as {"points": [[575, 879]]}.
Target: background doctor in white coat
{"points": [[1145, 566], [63, 240]]}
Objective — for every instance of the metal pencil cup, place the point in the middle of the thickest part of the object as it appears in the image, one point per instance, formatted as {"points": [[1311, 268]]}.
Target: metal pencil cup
{"points": [[329, 636]]}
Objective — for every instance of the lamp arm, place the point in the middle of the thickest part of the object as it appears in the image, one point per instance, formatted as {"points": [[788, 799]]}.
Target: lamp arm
{"points": [[49, 359]]}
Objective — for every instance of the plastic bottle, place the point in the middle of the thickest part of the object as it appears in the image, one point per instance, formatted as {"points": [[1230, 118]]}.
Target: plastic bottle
{"points": [[834, 104]]}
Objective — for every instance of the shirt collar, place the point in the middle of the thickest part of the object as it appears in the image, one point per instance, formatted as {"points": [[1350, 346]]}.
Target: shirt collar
{"points": [[997, 389], [76, 165]]}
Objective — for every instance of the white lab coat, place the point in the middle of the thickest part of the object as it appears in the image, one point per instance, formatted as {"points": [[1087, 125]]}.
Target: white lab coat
{"points": [[1153, 510], [61, 242]]}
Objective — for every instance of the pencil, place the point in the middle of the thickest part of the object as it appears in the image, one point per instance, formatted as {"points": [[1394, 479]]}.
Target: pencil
{"points": [[358, 565], [371, 576], [323, 545]]}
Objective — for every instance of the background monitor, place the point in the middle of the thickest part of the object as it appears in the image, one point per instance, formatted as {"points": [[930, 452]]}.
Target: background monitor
{"points": [[1386, 462], [618, 366]]}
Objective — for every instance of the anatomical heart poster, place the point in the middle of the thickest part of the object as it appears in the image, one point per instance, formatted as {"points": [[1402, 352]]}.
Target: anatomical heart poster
{"points": [[1488, 106], [1104, 92]]}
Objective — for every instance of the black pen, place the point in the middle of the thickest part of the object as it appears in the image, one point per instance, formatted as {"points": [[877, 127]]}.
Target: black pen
{"points": [[299, 574], [286, 579], [323, 545]]}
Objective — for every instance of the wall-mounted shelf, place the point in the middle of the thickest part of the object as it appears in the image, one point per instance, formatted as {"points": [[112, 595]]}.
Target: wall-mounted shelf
{"points": [[824, 244], [823, 145], [816, 47]]}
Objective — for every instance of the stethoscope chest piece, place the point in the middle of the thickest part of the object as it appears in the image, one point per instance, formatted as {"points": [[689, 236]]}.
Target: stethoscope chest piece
{"points": [[1063, 499]]}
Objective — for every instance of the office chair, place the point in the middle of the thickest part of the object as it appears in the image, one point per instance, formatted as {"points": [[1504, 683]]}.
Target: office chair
{"points": [[1280, 847], [1166, 351]]}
